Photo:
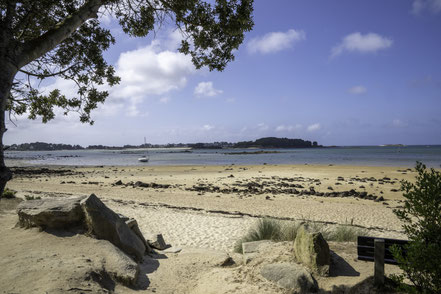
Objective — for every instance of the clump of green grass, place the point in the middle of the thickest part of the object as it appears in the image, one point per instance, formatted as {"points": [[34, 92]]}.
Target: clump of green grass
{"points": [[274, 230], [269, 229], [9, 194], [28, 197], [289, 231], [346, 233]]}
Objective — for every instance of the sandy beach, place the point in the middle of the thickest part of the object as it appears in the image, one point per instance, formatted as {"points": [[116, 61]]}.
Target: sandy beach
{"points": [[203, 211], [212, 206]]}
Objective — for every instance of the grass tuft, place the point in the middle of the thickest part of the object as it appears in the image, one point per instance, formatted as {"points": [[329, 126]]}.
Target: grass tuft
{"points": [[346, 233], [28, 197], [8, 194], [270, 229]]}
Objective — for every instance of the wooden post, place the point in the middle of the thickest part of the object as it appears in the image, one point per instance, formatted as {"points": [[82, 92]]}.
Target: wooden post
{"points": [[379, 262]]}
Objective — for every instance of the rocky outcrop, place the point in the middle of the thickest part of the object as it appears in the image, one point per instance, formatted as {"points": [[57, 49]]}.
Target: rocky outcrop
{"points": [[89, 213], [312, 250], [50, 213], [103, 223], [290, 276]]}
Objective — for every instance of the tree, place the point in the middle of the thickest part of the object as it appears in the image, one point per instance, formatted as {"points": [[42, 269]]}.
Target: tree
{"points": [[421, 215], [60, 38]]}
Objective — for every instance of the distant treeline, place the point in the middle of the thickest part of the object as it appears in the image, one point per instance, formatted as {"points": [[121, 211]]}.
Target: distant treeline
{"points": [[270, 142], [41, 146], [273, 142]]}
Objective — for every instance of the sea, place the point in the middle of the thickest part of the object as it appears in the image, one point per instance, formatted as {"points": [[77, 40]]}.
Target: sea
{"points": [[400, 156]]}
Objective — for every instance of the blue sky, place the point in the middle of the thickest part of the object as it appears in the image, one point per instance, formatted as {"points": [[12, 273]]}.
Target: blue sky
{"points": [[340, 72]]}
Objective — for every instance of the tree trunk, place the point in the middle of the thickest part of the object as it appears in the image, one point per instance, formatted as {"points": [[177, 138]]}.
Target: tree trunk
{"points": [[7, 74]]}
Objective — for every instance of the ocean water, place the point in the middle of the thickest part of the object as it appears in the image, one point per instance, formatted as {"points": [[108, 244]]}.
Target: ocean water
{"points": [[405, 156]]}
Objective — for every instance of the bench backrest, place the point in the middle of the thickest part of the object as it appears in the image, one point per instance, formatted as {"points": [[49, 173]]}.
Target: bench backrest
{"points": [[365, 248]]}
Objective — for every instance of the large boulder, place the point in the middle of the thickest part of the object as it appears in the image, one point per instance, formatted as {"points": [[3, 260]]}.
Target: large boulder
{"points": [[103, 223], [290, 276], [50, 213], [312, 250]]}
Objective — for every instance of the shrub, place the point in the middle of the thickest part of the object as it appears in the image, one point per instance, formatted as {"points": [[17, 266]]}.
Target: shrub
{"points": [[9, 194], [422, 224]]}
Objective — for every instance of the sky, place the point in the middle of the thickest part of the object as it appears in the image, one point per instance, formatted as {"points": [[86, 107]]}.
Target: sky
{"points": [[339, 72]]}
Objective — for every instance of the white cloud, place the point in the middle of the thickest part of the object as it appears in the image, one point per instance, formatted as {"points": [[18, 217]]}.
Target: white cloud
{"points": [[275, 41], [418, 6], [356, 42], [314, 127], [207, 127], [289, 128], [149, 71], [357, 90], [206, 89]]}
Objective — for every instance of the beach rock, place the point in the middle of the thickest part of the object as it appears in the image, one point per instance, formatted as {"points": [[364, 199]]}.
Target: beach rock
{"points": [[119, 266], [293, 277], [312, 250], [158, 242], [133, 225], [251, 249], [103, 223], [50, 213]]}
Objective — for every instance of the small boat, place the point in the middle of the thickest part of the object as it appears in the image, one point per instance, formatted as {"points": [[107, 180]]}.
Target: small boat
{"points": [[143, 159]]}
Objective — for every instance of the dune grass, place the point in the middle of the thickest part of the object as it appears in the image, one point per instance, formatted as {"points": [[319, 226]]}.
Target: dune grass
{"points": [[275, 230], [346, 233]]}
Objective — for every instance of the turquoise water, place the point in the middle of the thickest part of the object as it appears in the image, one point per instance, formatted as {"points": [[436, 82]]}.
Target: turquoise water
{"points": [[405, 156]]}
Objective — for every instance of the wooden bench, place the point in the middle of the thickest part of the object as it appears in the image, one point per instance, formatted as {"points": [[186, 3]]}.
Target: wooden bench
{"points": [[378, 251]]}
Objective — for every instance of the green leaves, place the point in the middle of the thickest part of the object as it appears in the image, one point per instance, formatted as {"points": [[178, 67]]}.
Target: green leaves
{"points": [[212, 33], [421, 218]]}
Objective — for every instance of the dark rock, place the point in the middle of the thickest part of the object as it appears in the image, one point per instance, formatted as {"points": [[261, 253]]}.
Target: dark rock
{"points": [[290, 276], [103, 223], [312, 250]]}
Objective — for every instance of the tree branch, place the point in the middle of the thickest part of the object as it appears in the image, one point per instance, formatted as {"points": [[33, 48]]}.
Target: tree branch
{"points": [[37, 47], [42, 76]]}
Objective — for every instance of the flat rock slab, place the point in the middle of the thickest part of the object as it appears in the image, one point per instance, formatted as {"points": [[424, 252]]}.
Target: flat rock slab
{"points": [[50, 213], [290, 276], [172, 250], [251, 249]]}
